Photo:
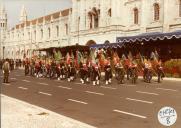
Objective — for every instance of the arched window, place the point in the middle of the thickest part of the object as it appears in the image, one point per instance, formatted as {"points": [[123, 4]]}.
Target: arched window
{"points": [[41, 33], [179, 8], [90, 20], [49, 33], [156, 11], [110, 12], [66, 29], [57, 27], [28, 35], [136, 16], [35, 34]]}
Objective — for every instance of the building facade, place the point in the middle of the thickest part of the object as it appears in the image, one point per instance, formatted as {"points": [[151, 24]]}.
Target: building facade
{"points": [[91, 22]]}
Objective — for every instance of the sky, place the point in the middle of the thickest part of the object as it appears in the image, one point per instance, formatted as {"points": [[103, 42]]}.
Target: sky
{"points": [[34, 8]]}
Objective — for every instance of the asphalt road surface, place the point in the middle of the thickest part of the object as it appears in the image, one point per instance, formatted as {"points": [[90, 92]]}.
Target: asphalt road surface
{"points": [[113, 106]]}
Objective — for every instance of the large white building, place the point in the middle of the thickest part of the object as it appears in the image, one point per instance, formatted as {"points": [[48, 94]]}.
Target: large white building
{"points": [[88, 22]]}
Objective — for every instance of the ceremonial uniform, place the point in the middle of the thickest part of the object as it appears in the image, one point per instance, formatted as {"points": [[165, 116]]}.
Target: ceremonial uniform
{"points": [[96, 74], [6, 71], [108, 73], [83, 73], [27, 67], [160, 72], [120, 73], [71, 72], [62, 71]]}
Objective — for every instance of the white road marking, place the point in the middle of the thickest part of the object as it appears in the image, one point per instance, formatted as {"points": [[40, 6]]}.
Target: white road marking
{"points": [[43, 83], [18, 75], [23, 88], [26, 81], [65, 87], [137, 100], [147, 93], [165, 89], [131, 114], [79, 83], [108, 87], [13, 78], [130, 85], [6, 84], [77, 101], [94, 93], [45, 93]]}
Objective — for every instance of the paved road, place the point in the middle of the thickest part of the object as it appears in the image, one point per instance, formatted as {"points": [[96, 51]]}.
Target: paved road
{"points": [[113, 106]]}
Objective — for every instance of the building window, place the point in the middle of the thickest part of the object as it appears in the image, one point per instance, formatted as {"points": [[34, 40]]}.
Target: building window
{"points": [[66, 29], [94, 15], [49, 34], [41, 33], [90, 20], [136, 16], [35, 34], [110, 12], [156, 11], [28, 35], [57, 30], [179, 8]]}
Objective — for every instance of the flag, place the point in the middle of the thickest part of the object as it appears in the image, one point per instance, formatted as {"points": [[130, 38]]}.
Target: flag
{"points": [[141, 57], [68, 58], [130, 56], [92, 56]]}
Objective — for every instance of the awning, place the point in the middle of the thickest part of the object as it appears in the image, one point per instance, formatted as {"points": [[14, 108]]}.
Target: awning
{"points": [[145, 37]]}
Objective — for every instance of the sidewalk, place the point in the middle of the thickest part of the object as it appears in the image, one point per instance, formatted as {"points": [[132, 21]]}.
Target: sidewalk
{"points": [[19, 114]]}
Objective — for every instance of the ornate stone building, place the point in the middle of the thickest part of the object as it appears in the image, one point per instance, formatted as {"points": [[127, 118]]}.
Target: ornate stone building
{"points": [[89, 22]]}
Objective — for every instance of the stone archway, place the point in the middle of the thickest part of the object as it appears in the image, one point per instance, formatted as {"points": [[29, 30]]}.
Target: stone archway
{"points": [[90, 42]]}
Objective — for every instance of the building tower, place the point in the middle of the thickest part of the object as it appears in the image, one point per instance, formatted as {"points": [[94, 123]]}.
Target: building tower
{"points": [[3, 29], [23, 15]]}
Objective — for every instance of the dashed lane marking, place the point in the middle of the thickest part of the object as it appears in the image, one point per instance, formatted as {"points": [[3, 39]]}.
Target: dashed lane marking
{"points": [[96, 93], [43, 83], [6, 84], [65, 87], [13, 78], [79, 83], [108, 87], [130, 85], [138, 100], [23, 88], [44, 93], [149, 93], [131, 114], [165, 89], [26, 81], [77, 101]]}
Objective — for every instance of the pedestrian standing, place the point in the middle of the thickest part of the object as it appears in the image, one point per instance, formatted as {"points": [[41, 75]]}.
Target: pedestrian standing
{"points": [[6, 70]]}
